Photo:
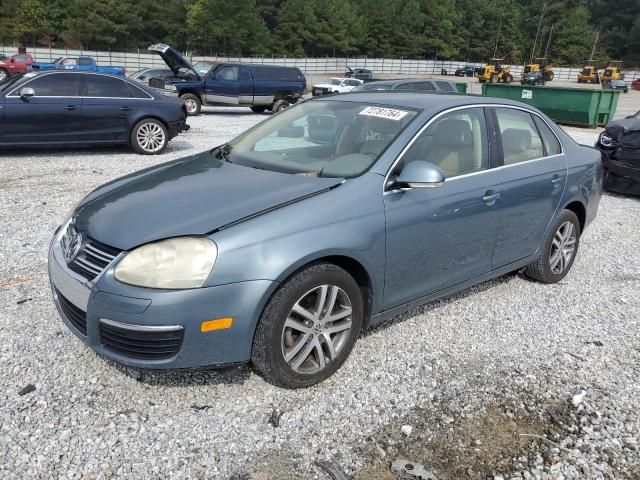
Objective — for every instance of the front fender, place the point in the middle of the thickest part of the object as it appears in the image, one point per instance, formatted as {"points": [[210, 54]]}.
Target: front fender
{"points": [[347, 221]]}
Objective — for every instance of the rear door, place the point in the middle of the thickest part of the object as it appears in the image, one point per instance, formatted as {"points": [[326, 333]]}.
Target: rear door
{"points": [[223, 85], [534, 173], [106, 107], [53, 115]]}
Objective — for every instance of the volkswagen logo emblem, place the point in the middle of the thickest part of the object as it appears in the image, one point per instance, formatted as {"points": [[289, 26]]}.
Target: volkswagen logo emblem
{"points": [[71, 243]]}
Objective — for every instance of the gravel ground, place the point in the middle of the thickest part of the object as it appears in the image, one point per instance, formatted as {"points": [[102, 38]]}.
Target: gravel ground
{"points": [[510, 379]]}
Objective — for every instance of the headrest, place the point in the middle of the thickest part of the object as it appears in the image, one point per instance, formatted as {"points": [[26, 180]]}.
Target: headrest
{"points": [[516, 140], [382, 125], [452, 132], [373, 147]]}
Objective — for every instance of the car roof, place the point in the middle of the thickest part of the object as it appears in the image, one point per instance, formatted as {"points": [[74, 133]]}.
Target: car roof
{"points": [[426, 102]]}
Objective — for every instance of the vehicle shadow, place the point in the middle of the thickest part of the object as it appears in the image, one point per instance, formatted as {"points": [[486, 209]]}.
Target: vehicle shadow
{"points": [[441, 302], [17, 152], [231, 375]]}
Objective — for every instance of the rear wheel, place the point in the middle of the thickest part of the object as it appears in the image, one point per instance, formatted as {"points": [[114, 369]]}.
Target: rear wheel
{"points": [[258, 109], [309, 327], [279, 105], [508, 78], [193, 103], [3, 74], [149, 137], [559, 250], [494, 78]]}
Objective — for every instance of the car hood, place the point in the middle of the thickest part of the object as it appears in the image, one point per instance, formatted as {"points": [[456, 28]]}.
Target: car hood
{"points": [[625, 131], [192, 196], [324, 85], [174, 60]]}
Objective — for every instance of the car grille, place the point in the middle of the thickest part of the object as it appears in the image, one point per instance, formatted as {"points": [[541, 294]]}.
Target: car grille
{"points": [[146, 345], [92, 259], [73, 314]]}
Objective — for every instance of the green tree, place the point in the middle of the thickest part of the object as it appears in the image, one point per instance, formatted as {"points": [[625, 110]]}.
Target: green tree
{"points": [[297, 28], [572, 45]]}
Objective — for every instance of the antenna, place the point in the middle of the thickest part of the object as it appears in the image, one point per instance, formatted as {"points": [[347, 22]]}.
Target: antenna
{"points": [[546, 50], [533, 50], [593, 50]]}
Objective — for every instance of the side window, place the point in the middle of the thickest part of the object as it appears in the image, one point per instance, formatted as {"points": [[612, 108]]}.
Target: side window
{"points": [[136, 92], [551, 144], [426, 86], [520, 139], [69, 62], [99, 86], [455, 142], [245, 72], [85, 62], [445, 86], [229, 72], [21, 58], [55, 85]]}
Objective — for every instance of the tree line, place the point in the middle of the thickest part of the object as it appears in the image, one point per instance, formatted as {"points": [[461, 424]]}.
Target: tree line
{"points": [[566, 31]]}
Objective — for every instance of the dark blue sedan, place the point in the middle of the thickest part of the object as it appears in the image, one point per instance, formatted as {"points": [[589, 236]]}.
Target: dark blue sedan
{"points": [[78, 109]]}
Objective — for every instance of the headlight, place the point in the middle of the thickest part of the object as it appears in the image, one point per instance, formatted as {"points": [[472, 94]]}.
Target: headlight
{"points": [[606, 140], [182, 262], [170, 87]]}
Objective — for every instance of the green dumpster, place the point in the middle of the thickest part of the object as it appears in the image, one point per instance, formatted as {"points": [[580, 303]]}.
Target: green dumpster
{"points": [[461, 87], [572, 106]]}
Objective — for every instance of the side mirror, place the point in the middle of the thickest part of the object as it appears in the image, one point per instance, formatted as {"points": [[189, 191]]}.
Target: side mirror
{"points": [[420, 175], [13, 60], [27, 92]]}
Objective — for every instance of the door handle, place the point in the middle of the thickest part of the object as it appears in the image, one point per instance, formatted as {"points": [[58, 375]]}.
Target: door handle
{"points": [[70, 107], [556, 179], [490, 198], [124, 109]]}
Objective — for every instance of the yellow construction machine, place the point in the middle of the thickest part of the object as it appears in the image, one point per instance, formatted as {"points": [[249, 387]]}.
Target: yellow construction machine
{"points": [[494, 72], [612, 72], [541, 65], [589, 74]]}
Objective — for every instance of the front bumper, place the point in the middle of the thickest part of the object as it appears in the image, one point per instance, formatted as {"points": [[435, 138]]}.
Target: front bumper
{"points": [[157, 329], [620, 176]]}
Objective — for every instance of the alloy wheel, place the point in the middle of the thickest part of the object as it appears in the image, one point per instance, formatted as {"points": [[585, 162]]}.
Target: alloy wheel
{"points": [[191, 105], [316, 329], [150, 137], [3, 75], [563, 248]]}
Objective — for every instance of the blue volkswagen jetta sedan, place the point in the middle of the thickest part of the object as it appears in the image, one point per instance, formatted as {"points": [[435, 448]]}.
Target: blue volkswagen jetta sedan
{"points": [[279, 247]]}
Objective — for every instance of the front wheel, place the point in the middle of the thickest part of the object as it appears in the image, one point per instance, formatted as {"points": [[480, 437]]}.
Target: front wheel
{"points": [[193, 103], [493, 79], [559, 252], [149, 137], [309, 327], [508, 78], [3, 74]]}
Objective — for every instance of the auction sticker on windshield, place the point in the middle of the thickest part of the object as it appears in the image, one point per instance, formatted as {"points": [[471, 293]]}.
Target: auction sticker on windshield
{"points": [[388, 113]]}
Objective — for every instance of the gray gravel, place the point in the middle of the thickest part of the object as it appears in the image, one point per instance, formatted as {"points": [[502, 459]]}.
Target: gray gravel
{"points": [[485, 379]]}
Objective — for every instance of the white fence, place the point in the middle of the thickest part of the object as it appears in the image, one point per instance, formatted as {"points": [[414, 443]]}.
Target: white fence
{"points": [[380, 66]]}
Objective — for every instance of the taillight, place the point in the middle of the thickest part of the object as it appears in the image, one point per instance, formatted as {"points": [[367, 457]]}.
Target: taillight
{"points": [[184, 108]]}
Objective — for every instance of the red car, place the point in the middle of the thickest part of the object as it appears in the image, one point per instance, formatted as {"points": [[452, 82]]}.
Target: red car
{"points": [[17, 64], [636, 84]]}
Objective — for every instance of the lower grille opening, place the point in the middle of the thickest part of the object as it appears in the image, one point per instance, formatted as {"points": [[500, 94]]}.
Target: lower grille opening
{"points": [[145, 345], [73, 314]]}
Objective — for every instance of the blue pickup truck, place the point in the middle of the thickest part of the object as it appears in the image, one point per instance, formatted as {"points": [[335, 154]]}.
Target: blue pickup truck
{"points": [[83, 64], [261, 87]]}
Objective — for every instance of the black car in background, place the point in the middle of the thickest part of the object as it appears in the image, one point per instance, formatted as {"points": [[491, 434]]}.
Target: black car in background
{"points": [[468, 71], [418, 84], [619, 145], [147, 74], [76, 109], [534, 78], [358, 73]]}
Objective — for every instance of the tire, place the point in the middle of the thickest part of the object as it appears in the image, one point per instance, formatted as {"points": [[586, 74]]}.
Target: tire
{"points": [[193, 104], [3, 74], [579, 81], [258, 109], [544, 269], [493, 78], [279, 105], [149, 137], [273, 336], [508, 78]]}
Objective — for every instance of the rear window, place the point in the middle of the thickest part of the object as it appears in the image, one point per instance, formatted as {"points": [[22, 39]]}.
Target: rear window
{"points": [[425, 86], [263, 72]]}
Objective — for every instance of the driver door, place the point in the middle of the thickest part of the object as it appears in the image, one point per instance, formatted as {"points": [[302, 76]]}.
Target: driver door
{"points": [[223, 86], [442, 236]]}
